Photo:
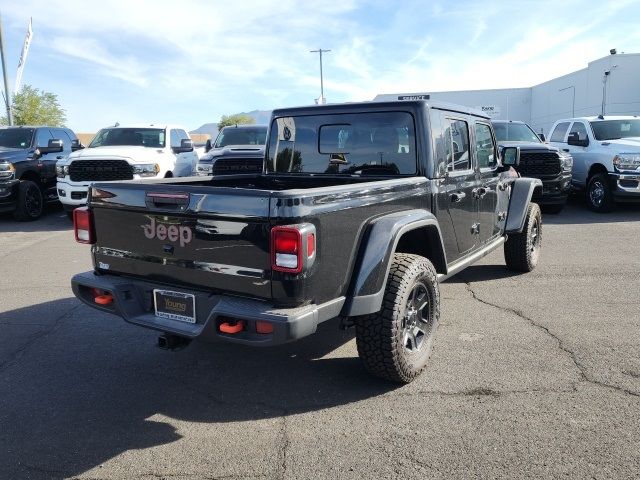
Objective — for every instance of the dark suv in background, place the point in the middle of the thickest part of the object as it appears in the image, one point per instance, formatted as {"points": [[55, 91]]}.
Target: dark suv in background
{"points": [[538, 160], [28, 157]]}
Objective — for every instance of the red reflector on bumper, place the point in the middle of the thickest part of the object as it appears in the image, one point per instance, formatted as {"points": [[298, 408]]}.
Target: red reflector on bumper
{"points": [[264, 327]]}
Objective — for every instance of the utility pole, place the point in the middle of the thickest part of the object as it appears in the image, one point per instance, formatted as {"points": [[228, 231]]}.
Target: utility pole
{"points": [[7, 94], [321, 100], [573, 104], [604, 86]]}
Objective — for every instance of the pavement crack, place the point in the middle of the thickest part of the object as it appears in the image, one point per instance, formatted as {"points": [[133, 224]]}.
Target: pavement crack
{"points": [[582, 370], [284, 446], [57, 323]]}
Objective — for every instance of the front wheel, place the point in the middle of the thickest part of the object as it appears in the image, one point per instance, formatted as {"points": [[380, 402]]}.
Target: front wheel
{"points": [[396, 342], [522, 250], [599, 195], [30, 202]]}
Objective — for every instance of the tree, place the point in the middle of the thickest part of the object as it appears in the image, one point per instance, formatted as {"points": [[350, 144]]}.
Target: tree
{"points": [[237, 119], [34, 107]]}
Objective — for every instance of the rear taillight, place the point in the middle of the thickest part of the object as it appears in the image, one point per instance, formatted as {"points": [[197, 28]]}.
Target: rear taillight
{"points": [[83, 225], [293, 247]]}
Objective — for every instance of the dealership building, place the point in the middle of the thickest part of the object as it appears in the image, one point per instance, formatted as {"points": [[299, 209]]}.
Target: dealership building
{"points": [[576, 94]]}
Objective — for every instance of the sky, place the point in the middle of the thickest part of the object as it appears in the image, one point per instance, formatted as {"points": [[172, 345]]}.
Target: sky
{"points": [[190, 62]]}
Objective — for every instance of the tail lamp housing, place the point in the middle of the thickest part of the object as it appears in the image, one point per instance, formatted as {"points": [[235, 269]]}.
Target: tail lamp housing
{"points": [[83, 225], [293, 247]]}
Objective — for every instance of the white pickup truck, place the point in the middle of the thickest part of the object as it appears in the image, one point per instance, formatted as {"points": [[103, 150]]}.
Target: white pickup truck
{"points": [[125, 152], [606, 157]]}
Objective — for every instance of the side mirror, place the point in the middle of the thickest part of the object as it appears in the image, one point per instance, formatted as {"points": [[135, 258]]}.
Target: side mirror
{"points": [[54, 146], [76, 145], [186, 145], [208, 146], [542, 137], [511, 156], [574, 139]]}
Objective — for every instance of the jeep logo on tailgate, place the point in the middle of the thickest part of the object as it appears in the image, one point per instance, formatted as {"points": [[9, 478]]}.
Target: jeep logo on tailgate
{"points": [[173, 233]]}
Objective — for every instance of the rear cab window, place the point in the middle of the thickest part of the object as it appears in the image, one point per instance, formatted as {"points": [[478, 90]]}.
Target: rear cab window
{"points": [[559, 132], [376, 143]]}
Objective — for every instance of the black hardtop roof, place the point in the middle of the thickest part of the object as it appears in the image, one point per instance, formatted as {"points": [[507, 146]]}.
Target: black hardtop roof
{"points": [[352, 107]]}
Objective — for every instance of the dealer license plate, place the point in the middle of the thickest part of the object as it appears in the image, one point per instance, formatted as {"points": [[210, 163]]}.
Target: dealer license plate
{"points": [[175, 305]]}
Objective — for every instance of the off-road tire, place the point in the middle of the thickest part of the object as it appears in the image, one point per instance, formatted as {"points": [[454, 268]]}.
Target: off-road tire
{"points": [[553, 209], [522, 250], [380, 337], [599, 203], [30, 202]]}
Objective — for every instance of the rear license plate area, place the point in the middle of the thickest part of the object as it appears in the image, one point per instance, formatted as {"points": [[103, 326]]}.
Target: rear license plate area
{"points": [[175, 305]]}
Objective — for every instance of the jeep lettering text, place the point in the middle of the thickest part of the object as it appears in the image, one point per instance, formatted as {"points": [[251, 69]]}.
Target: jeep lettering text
{"points": [[173, 233]]}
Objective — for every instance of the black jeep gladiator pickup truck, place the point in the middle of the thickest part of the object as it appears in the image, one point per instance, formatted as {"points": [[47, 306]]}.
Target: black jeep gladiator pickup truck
{"points": [[360, 211]]}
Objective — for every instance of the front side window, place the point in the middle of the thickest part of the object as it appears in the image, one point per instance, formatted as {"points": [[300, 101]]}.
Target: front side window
{"points": [[241, 136], [16, 137], [616, 129], [515, 132], [43, 135], [359, 143], [457, 145], [135, 137], [580, 129], [485, 148], [559, 132]]}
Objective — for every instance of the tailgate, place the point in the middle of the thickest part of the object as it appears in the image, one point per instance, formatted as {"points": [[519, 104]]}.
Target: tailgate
{"points": [[178, 235]]}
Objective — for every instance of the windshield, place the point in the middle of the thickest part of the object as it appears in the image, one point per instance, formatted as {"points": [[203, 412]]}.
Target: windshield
{"points": [[359, 143], [136, 137], [515, 132], [241, 136], [16, 137], [615, 129]]}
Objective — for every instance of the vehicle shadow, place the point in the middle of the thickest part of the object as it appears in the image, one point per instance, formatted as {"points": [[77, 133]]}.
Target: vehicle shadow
{"points": [[94, 387], [482, 273], [576, 212], [53, 219]]}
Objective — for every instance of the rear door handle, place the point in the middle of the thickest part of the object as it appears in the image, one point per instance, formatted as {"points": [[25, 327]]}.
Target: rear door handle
{"points": [[566, 150], [457, 196]]}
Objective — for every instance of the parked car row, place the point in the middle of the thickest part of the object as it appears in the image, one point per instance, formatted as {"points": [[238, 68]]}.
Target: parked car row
{"points": [[46, 164], [597, 155]]}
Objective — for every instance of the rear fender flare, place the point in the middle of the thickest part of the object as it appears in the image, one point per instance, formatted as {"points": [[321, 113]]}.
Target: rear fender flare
{"points": [[521, 193], [376, 255]]}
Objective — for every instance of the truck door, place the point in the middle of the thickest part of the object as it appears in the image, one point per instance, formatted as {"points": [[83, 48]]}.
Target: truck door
{"points": [[487, 191], [460, 183], [581, 163], [46, 163]]}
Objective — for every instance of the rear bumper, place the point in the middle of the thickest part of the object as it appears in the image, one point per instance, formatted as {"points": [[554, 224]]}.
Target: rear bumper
{"points": [[554, 191], [133, 301], [9, 195]]}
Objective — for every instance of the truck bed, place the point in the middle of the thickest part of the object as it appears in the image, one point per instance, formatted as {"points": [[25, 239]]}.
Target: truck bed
{"points": [[142, 230]]}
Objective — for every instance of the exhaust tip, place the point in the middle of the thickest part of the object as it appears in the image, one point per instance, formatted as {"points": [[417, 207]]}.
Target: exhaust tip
{"points": [[172, 342]]}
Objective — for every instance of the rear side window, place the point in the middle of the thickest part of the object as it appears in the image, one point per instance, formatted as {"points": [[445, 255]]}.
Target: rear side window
{"points": [[457, 145], [559, 132], [580, 129], [485, 148]]}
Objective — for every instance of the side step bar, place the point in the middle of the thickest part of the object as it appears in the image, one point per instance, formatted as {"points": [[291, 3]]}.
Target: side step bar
{"points": [[465, 262]]}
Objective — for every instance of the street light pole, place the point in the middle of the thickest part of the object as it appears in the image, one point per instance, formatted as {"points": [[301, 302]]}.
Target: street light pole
{"points": [[321, 100], [573, 103], [7, 94]]}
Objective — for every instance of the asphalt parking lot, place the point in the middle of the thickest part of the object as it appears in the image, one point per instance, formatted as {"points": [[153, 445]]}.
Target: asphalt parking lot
{"points": [[532, 376]]}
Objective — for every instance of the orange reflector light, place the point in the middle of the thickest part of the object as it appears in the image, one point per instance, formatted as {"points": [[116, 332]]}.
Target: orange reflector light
{"points": [[232, 329], [264, 327], [105, 299]]}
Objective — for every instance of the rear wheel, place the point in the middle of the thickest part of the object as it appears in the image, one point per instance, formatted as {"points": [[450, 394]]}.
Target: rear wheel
{"points": [[599, 195], [396, 342], [30, 202], [522, 250]]}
